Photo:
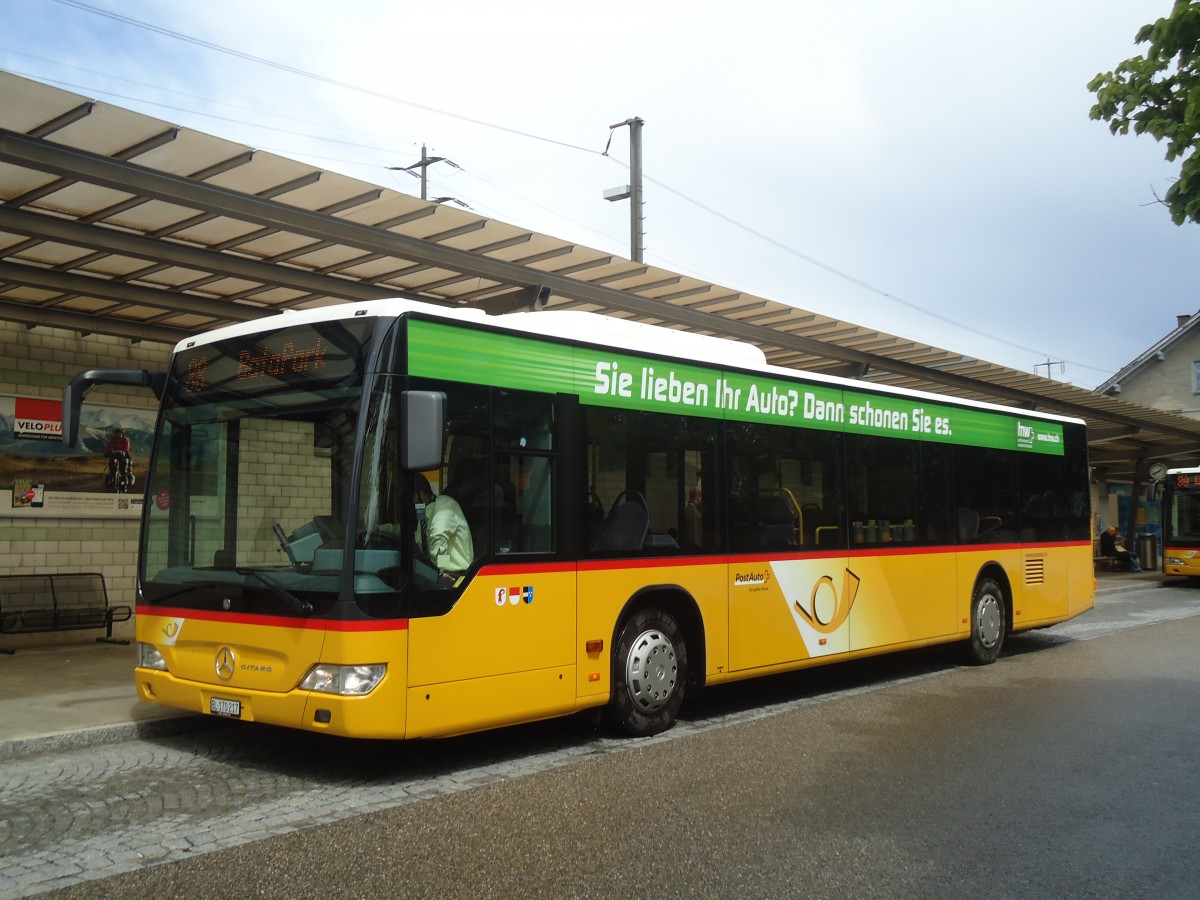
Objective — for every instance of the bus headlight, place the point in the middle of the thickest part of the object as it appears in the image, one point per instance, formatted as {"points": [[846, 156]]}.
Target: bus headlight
{"points": [[348, 681], [1171, 561], [150, 658]]}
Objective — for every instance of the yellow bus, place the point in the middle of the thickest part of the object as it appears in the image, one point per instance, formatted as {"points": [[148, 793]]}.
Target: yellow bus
{"points": [[1181, 522], [634, 513]]}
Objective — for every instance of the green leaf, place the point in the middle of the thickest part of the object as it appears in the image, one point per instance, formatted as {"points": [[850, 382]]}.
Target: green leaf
{"points": [[1158, 93]]}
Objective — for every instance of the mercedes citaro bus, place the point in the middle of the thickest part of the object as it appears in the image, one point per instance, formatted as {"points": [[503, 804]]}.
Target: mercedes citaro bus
{"points": [[1181, 522], [649, 512]]}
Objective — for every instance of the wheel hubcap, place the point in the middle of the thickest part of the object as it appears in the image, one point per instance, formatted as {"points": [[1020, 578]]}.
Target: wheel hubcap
{"points": [[989, 620], [651, 671]]}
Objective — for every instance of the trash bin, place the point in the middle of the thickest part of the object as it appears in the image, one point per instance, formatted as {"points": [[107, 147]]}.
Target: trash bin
{"points": [[1148, 552]]}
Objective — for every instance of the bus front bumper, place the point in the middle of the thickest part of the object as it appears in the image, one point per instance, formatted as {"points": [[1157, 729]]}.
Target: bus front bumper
{"points": [[380, 714]]}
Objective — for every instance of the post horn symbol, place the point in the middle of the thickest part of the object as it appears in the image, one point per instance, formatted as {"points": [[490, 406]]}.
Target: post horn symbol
{"points": [[817, 614]]}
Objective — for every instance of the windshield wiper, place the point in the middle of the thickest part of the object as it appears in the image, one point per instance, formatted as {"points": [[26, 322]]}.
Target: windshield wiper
{"points": [[186, 588], [301, 606]]}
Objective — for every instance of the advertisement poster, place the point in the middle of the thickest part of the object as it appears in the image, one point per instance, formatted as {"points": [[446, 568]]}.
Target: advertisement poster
{"points": [[100, 478]]}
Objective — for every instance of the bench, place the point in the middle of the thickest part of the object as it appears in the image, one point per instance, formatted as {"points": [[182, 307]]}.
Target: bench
{"points": [[59, 602]]}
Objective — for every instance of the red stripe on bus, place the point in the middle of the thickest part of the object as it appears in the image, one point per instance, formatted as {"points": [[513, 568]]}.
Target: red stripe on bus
{"points": [[527, 568], [785, 555], [672, 562], [275, 621]]}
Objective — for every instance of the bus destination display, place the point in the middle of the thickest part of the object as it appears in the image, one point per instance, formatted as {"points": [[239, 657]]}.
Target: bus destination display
{"points": [[304, 356]]}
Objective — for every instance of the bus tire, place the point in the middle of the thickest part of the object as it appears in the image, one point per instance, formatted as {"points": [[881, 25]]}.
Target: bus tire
{"points": [[989, 622], [649, 673]]}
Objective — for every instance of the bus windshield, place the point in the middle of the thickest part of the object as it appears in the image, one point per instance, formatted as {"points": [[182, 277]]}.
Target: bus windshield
{"points": [[1183, 512], [252, 475]]}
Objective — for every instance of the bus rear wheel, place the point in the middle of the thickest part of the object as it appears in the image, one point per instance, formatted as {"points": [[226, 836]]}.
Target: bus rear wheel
{"points": [[989, 622], [649, 673]]}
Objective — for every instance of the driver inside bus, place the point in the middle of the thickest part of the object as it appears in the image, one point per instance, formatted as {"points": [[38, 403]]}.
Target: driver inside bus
{"points": [[443, 537]]}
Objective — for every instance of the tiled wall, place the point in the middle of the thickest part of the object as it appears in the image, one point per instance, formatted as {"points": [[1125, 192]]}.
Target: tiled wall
{"points": [[38, 362]]}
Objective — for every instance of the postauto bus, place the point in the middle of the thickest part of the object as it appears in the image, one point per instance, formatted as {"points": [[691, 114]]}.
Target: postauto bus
{"points": [[638, 512]]}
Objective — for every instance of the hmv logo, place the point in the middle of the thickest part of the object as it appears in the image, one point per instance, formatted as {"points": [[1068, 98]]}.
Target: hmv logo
{"points": [[1024, 435]]}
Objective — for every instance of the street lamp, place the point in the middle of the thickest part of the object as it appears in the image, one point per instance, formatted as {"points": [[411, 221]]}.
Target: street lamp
{"points": [[633, 191]]}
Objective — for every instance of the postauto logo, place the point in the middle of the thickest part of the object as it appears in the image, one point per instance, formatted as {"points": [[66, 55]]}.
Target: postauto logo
{"points": [[741, 579]]}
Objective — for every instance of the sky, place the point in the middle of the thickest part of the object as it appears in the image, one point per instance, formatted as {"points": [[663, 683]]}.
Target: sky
{"points": [[925, 168]]}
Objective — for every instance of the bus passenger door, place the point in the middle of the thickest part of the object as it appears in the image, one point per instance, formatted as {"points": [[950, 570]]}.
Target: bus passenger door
{"points": [[788, 610], [903, 535], [791, 588]]}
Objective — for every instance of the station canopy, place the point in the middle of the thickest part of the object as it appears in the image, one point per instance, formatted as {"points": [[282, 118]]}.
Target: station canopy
{"points": [[118, 223]]}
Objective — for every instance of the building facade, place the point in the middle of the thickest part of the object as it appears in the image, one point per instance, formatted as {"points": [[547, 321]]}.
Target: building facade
{"points": [[1166, 376]]}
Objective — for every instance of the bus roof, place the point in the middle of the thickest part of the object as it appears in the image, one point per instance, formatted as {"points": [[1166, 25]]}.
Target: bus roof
{"points": [[597, 329], [572, 325]]}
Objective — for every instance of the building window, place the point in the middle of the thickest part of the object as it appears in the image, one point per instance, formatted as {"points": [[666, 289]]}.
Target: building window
{"points": [[1196, 377]]}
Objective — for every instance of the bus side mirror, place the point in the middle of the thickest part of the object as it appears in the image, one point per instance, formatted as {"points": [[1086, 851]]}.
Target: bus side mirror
{"points": [[81, 384], [423, 418]]}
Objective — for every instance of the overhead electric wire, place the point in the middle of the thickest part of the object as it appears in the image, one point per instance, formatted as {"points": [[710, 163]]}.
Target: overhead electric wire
{"points": [[259, 124], [851, 278], [251, 123], [304, 73]]}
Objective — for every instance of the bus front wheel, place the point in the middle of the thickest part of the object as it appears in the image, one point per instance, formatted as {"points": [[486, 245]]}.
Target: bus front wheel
{"points": [[649, 673], [988, 622]]}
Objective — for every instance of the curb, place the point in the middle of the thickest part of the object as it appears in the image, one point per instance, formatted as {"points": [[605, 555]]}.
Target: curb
{"points": [[101, 735]]}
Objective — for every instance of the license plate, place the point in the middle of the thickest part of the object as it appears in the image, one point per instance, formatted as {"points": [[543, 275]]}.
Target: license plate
{"points": [[230, 708]]}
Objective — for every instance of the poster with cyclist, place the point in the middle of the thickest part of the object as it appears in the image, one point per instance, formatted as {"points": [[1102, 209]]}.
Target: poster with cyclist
{"points": [[97, 478], [119, 454]]}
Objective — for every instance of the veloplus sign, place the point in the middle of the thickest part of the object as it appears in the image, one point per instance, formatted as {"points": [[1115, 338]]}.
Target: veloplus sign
{"points": [[601, 378], [46, 480]]}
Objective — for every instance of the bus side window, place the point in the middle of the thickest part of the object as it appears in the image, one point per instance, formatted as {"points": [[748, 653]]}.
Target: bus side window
{"points": [[524, 472], [463, 475], [786, 489], [647, 468], [884, 495], [987, 485], [937, 521]]}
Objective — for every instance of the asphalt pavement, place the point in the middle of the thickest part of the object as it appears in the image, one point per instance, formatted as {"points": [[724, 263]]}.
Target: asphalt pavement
{"points": [[82, 694]]}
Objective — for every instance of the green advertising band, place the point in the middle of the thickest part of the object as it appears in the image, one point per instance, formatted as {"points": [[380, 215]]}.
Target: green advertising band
{"points": [[604, 378]]}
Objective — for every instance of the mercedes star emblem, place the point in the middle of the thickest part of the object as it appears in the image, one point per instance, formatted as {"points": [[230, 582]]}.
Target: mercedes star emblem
{"points": [[225, 663]]}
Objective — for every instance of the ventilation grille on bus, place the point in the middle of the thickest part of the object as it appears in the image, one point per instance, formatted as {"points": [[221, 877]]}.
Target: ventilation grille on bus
{"points": [[1035, 570]]}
